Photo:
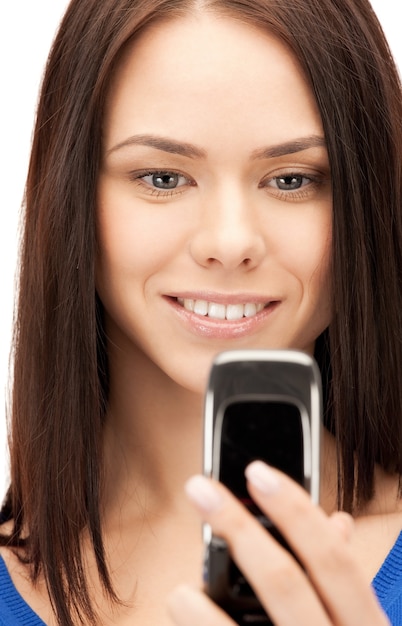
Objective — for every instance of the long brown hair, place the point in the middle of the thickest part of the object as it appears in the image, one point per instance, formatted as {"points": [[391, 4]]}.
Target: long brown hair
{"points": [[60, 360]]}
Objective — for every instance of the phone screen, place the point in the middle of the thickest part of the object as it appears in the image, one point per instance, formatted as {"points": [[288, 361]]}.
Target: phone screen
{"points": [[268, 431]]}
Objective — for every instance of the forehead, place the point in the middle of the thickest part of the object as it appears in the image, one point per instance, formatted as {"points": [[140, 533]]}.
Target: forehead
{"points": [[190, 71]]}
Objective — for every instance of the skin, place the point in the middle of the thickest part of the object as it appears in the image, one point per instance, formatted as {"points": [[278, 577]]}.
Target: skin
{"points": [[238, 224]]}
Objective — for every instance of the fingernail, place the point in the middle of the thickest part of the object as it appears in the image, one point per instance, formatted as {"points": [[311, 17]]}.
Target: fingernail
{"points": [[262, 477], [203, 493], [344, 522]]}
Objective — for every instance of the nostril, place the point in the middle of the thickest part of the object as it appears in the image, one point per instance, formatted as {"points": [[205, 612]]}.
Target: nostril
{"points": [[211, 260], [246, 262]]}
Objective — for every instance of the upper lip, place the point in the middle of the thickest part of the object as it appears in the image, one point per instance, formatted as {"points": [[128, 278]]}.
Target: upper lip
{"points": [[222, 298]]}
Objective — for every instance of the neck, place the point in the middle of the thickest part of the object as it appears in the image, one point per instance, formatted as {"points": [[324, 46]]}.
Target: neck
{"points": [[153, 436]]}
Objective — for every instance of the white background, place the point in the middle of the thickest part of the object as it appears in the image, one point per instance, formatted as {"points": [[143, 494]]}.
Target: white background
{"points": [[26, 32]]}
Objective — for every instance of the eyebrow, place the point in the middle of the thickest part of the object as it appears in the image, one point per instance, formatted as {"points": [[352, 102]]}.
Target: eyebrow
{"points": [[191, 151], [290, 147], [162, 143]]}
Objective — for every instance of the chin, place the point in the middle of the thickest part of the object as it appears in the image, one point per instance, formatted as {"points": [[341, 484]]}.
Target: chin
{"points": [[191, 377], [195, 383]]}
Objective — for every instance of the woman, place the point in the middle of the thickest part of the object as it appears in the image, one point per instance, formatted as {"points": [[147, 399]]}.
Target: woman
{"points": [[205, 176]]}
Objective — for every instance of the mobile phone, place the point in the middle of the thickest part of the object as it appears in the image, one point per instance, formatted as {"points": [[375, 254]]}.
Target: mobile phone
{"points": [[259, 404]]}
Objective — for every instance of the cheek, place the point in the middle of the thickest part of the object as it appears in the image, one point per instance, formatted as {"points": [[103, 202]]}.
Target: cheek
{"points": [[118, 254], [305, 248], [317, 287], [130, 240]]}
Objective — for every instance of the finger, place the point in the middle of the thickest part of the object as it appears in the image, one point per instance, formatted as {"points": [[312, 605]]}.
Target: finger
{"points": [[278, 580], [187, 605], [344, 523], [322, 547]]}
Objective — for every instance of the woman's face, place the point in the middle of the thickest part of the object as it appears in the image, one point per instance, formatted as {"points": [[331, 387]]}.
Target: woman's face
{"points": [[214, 199]]}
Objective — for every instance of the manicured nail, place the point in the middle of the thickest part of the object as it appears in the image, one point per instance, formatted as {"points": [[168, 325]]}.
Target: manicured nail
{"points": [[262, 477], [203, 493], [344, 522]]}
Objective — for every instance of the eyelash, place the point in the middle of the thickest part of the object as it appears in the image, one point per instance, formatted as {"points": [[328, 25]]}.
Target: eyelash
{"points": [[300, 193]]}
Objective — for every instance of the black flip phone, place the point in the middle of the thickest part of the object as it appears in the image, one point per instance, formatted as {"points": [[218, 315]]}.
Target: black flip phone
{"points": [[260, 404]]}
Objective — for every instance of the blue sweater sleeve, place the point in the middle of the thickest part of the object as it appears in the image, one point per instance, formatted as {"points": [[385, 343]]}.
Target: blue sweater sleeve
{"points": [[14, 611]]}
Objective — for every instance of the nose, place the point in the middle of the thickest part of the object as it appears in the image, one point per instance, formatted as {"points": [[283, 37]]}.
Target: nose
{"points": [[229, 233]]}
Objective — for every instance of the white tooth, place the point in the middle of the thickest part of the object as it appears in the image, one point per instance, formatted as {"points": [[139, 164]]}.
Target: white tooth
{"points": [[217, 311], [260, 306], [234, 311], [188, 304], [250, 309], [201, 307]]}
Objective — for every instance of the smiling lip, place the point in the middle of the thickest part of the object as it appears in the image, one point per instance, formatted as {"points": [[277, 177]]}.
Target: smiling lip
{"points": [[222, 317]]}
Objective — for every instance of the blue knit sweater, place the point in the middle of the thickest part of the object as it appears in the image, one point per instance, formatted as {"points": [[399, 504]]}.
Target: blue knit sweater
{"points": [[388, 584], [14, 611]]}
